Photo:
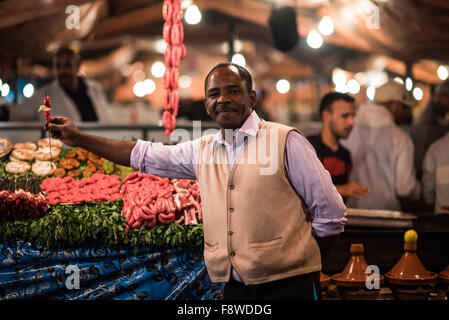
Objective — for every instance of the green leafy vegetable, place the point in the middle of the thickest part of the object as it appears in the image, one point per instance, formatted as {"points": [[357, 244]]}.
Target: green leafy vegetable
{"points": [[71, 226]]}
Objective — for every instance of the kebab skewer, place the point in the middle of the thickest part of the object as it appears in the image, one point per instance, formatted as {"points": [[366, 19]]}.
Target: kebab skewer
{"points": [[46, 107]]}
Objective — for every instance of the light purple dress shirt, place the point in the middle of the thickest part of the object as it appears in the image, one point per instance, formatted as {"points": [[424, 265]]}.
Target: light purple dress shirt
{"points": [[302, 166]]}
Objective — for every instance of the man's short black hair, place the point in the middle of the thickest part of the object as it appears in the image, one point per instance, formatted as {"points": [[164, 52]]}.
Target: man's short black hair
{"points": [[331, 97], [242, 71]]}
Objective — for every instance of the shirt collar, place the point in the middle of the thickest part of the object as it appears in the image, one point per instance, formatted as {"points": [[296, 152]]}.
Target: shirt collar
{"points": [[249, 128]]}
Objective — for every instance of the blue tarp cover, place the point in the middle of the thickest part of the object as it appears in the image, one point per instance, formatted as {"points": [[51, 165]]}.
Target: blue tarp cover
{"points": [[93, 273]]}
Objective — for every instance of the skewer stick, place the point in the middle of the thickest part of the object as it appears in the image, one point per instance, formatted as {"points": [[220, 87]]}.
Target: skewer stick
{"points": [[49, 134]]}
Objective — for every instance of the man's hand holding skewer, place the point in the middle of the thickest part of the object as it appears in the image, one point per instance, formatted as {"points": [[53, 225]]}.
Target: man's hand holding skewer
{"points": [[62, 128]]}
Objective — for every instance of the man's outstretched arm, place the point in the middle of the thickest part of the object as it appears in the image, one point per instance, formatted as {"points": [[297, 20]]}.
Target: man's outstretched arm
{"points": [[117, 151]]}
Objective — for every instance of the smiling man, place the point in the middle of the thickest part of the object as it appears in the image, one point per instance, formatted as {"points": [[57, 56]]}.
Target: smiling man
{"points": [[264, 234]]}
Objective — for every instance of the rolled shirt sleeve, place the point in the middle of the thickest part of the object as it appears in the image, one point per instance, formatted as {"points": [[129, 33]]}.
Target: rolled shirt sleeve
{"points": [[313, 184], [177, 161]]}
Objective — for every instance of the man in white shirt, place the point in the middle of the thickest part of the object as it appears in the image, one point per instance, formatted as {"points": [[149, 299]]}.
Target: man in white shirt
{"points": [[382, 153], [76, 97], [435, 177]]}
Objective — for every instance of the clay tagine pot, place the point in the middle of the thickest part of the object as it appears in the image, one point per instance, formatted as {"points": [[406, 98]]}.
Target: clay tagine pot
{"points": [[444, 277], [408, 279], [352, 281], [325, 280]]}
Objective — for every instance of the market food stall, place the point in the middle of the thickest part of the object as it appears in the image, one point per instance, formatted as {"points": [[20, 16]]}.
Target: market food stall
{"points": [[76, 223]]}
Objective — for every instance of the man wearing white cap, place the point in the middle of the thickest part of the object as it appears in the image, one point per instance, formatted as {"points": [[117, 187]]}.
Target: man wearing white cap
{"points": [[382, 153]]}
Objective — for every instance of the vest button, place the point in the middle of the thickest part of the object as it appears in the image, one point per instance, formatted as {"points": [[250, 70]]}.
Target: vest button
{"points": [[230, 233], [232, 253], [231, 187], [231, 209]]}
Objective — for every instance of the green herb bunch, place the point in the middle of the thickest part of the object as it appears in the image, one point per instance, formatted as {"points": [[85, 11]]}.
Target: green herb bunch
{"points": [[75, 225]]}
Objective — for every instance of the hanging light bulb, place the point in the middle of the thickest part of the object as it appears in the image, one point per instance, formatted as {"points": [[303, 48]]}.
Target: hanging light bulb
{"points": [[418, 93], [283, 86], [5, 89], [239, 59], [443, 72], [149, 86], [185, 81], [192, 14], [139, 89], [314, 39], [158, 69], [408, 84], [370, 92], [326, 26], [28, 90], [353, 86]]}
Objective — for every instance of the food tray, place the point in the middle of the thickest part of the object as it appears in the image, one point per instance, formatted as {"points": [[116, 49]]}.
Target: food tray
{"points": [[379, 218]]}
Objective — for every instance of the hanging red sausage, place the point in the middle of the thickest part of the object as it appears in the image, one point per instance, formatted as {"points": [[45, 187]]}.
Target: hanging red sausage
{"points": [[173, 34]]}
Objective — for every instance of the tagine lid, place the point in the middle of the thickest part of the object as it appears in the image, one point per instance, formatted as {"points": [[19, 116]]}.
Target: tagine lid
{"points": [[444, 275], [325, 280], [354, 274], [409, 270]]}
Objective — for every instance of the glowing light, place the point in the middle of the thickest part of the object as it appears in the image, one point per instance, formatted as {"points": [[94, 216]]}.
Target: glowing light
{"points": [[341, 87], [160, 45], [192, 15], [443, 72], [158, 69], [399, 80], [408, 84], [149, 86], [185, 81], [326, 26], [339, 78], [239, 59], [28, 90], [238, 45], [314, 39], [5, 89], [370, 92], [353, 86], [283, 86], [418, 93], [139, 89]]}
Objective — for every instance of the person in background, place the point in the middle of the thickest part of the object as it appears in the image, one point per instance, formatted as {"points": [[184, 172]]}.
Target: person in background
{"points": [[431, 124], [337, 112], [259, 235], [382, 153], [73, 96], [435, 178]]}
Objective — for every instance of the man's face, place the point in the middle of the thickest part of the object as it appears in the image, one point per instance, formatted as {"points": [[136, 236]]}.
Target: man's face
{"points": [[66, 69], [401, 112], [228, 101], [340, 118]]}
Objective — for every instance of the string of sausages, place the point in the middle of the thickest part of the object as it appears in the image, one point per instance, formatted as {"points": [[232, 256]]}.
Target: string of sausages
{"points": [[173, 34], [149, 199]]}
